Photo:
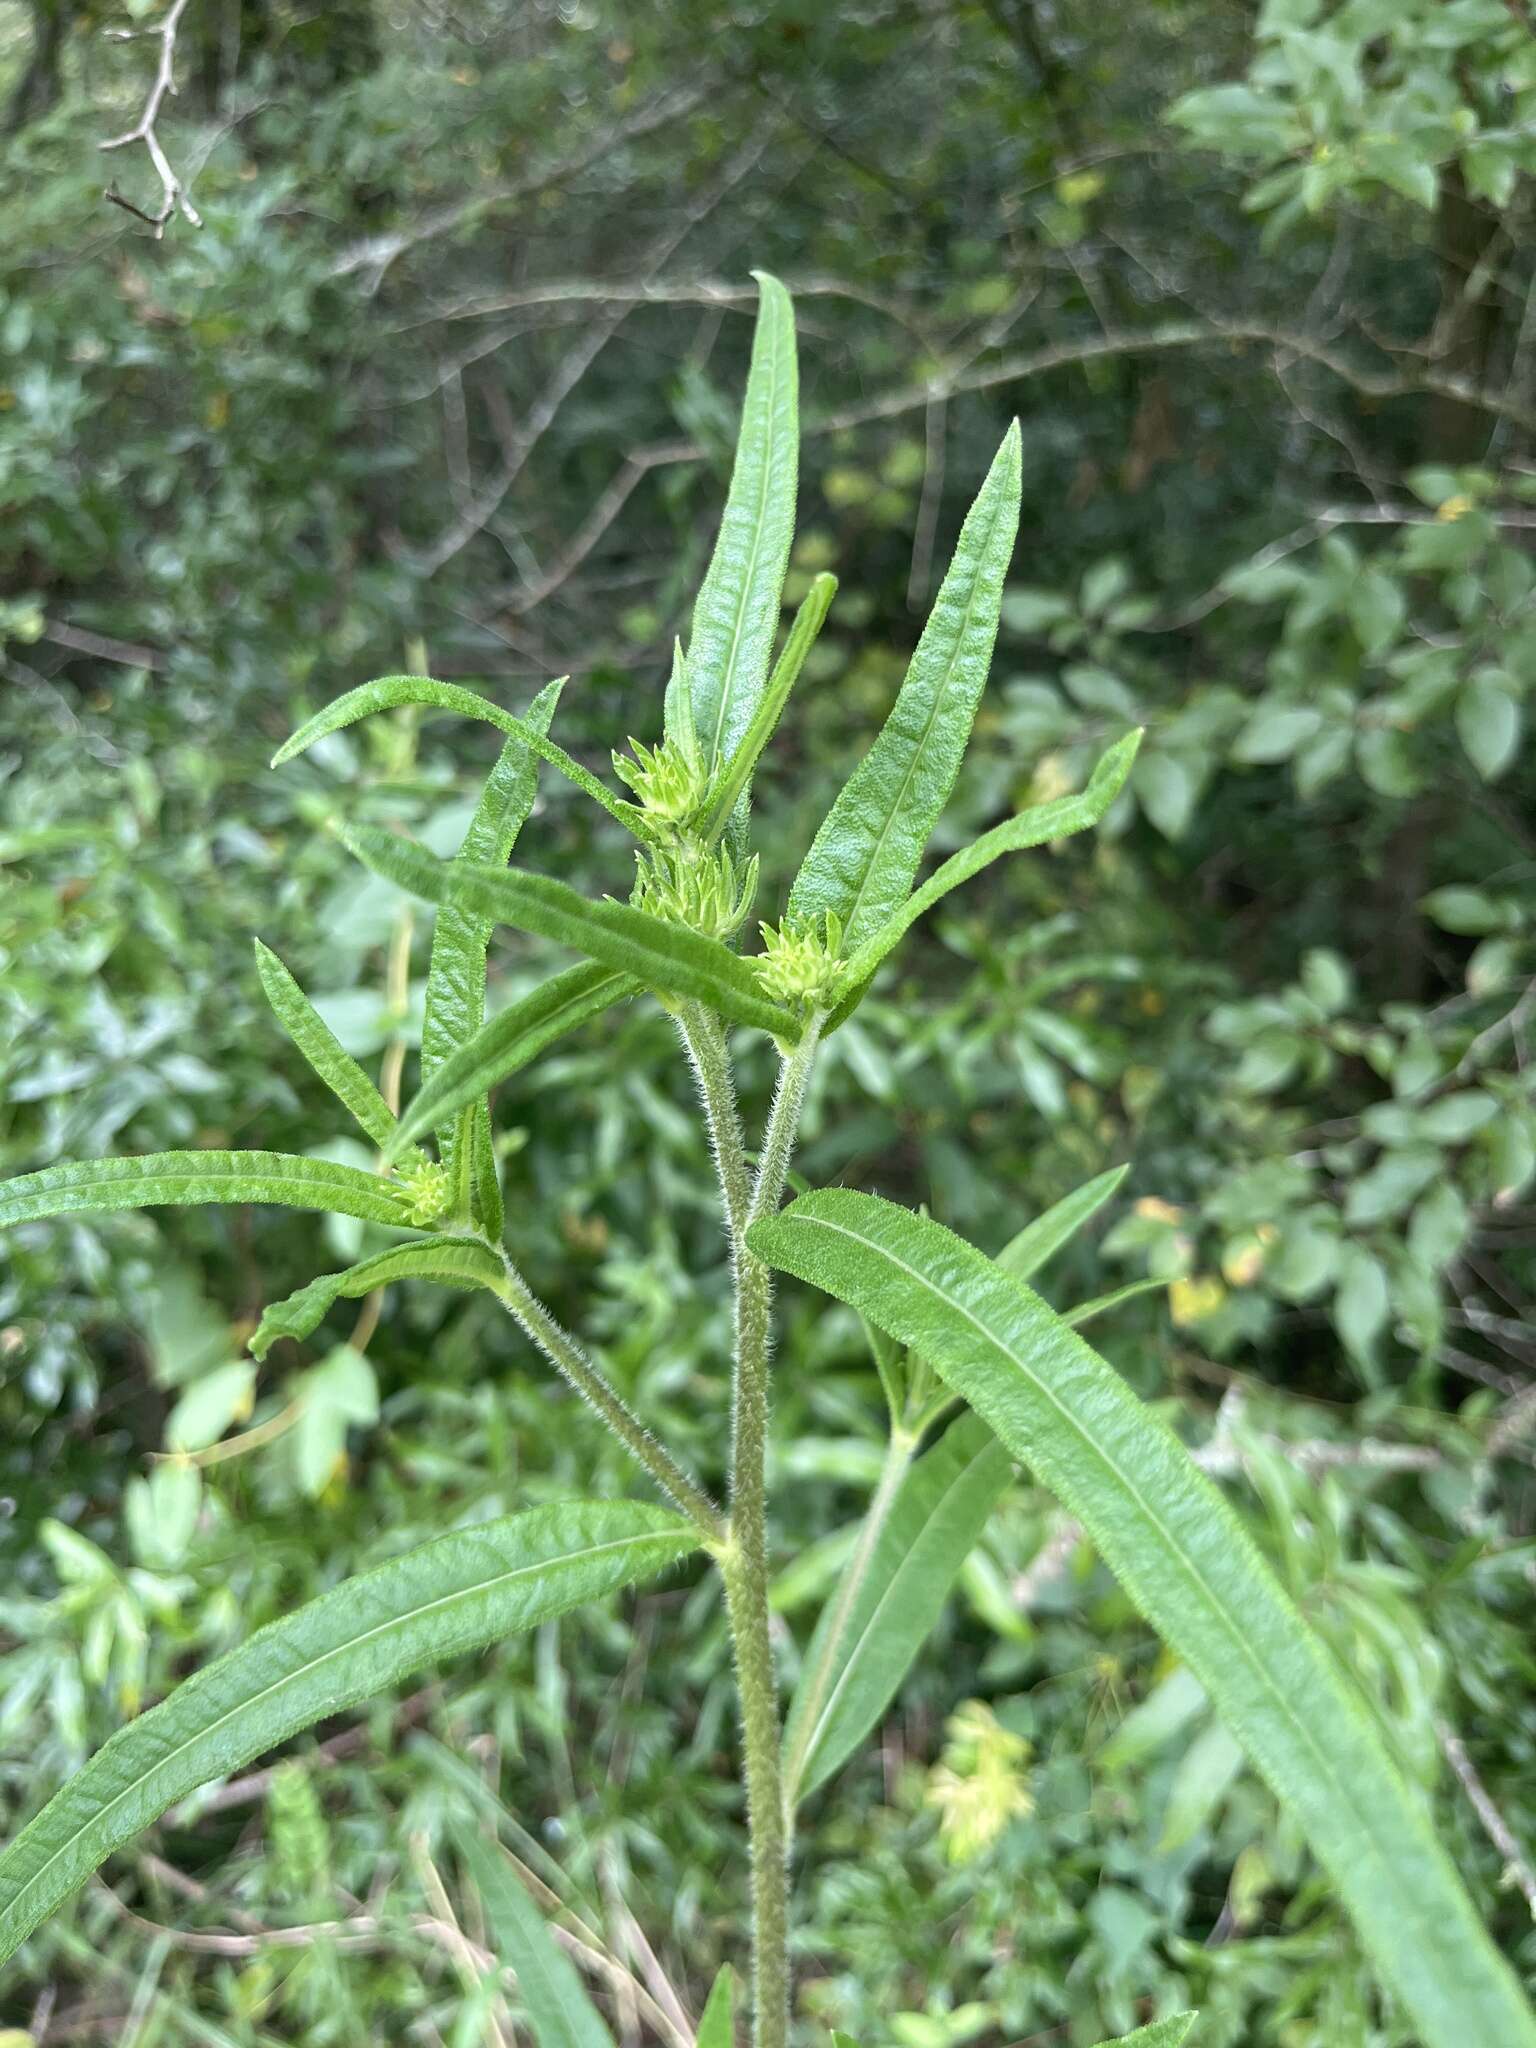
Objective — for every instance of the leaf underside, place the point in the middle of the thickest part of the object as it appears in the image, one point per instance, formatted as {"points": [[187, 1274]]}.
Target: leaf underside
{"points": [[176, 1179], [450, 1261]]}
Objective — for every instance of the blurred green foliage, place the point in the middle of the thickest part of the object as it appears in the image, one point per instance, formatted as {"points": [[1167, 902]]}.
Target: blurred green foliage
{"points": [[450, 361]]}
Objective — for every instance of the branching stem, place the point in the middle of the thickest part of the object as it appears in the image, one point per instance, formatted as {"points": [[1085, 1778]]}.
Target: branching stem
{"points": [[567, 1356]]}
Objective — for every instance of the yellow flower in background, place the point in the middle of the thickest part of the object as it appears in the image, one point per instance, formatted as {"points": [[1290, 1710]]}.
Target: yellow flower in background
{"points": [[980, 1784], [1454, 508], [1155, 1210], [1191, 1301]]}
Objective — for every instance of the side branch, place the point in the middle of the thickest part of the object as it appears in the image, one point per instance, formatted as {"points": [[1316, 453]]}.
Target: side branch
{"points": [[174, 192]]}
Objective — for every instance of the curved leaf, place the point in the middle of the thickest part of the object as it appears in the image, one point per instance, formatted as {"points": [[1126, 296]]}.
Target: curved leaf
{"points": [[1027, 1251], [510, 1040], [664, 957], [736, 775], [386, 693], [560, 2014], [1188, 1563], [177, 1179], [911, 1548], [321, 1047], [863, 859], [451, 1261], [455, 996], [457, 1593], [1172, 2032], [1037, 826], [736, 614]]}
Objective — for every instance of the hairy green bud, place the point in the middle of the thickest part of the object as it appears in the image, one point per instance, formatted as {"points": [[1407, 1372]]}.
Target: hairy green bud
{"points": [[696, 886], [669, 782], [427, 1187], [800, 963]]}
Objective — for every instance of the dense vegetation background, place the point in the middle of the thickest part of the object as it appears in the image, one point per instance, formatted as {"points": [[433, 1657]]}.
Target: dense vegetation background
{"points": [[447, 375]]}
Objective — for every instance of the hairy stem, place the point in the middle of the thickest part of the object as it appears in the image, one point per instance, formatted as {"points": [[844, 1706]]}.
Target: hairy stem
{"points": [[572, 1362], [744, 1562]]}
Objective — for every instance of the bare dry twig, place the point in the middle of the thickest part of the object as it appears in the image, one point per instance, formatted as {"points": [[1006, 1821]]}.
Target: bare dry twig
{"points": [[175, 196]]}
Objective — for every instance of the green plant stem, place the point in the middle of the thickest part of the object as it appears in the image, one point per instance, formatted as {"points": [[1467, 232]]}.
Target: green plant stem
{"points": [[744, 1561], [567, 1356]]}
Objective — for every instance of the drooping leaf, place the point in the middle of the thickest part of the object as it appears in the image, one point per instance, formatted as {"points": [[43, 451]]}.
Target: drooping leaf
{"points": [[387, 693], [1169, 2033], [455, 996], [1187, 1562], [176, 1179], [909, 1554], [1028, 1251], [717, 2028], [455, 1594], [321, 1047], [451, 1261], [863, 859], [736, 774], [560, 2014], [736, 614], [663, 957], [1038, 826], [510, 1040]]}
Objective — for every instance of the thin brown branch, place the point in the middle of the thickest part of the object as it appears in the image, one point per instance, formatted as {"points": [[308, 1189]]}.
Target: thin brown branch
{"points": [[1517, 1866], [174, 195]]}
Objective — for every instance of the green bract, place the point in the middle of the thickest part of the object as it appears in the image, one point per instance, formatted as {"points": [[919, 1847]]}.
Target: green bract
{"points": [[947, 1326]]}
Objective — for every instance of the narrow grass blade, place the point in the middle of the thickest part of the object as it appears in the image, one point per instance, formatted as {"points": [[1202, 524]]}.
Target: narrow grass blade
{"points": [[559, 2012]]}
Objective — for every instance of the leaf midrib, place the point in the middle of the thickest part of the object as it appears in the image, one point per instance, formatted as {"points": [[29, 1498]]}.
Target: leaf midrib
{"points": [[1309, 1740], [99, 1816], [893, 811], [765, 470]]}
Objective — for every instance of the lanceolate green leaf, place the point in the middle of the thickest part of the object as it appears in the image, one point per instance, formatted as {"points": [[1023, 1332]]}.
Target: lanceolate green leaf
{"points": [[1026, 1253], [863, 859], [915, 1539], [736, 775], [386, 693], [455, 1594], [1037, 826], [560, 2014], [320, 1046], [717, 2026], [451, 1261], [663, 957], [1189, 1565], [455, 995], [736, 615], [1172, 2032], [175, 1179], [509, 1040]]}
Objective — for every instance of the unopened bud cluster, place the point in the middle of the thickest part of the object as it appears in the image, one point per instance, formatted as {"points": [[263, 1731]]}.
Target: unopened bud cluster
{"points": [[669, 782], [698, 886], [800, 963], [427, 1188]]}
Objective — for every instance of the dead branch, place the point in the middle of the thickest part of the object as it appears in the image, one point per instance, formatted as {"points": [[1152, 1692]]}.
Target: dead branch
{"points": [[174, 192]]}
